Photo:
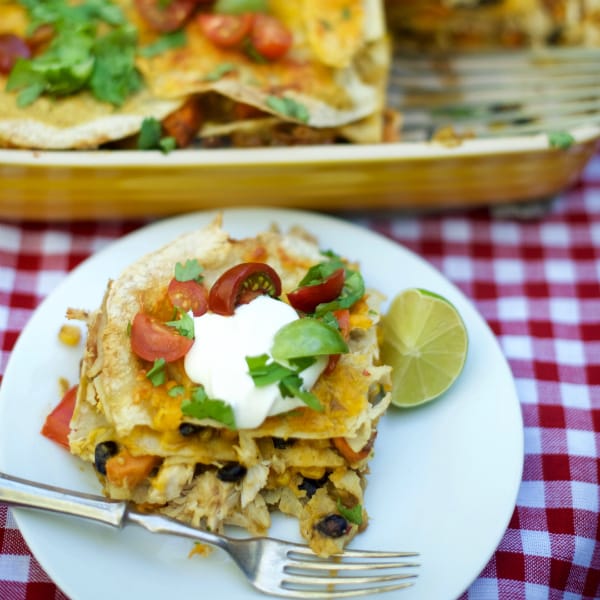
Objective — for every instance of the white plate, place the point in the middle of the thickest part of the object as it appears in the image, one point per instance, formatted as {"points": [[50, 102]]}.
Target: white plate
{"points": [[443, 481]]}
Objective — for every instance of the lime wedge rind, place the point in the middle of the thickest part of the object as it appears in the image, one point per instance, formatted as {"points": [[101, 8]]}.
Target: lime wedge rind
{"points": [[425, 341]]}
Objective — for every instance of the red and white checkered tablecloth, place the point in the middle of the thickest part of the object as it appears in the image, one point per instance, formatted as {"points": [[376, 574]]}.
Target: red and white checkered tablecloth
{"points": [[537, 283]]}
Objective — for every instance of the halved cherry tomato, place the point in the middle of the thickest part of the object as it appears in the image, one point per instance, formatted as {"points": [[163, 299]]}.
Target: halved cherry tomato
{"points": [[343, 447], [166, 16], [270, 37], [151, 340], [307, 298], [241, 284], [188, 295], [343, 318], [12, 47], [225, 30], [57, 424]]}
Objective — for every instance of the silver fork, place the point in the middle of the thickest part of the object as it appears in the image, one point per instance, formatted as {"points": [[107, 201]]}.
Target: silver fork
{"points": [[495, 93], [272, 566]]}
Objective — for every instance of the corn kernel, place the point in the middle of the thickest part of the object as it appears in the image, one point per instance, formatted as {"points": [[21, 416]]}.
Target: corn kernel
{"points": [[69, 335]]}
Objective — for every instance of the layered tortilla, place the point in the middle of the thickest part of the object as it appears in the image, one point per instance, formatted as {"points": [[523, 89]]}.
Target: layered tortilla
{"points": [[336, 72], [472, 24], [303, 462]]}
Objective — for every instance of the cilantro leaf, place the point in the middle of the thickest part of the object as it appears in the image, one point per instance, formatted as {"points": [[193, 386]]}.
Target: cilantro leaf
{"points": [[289, 381], [150, 137], [560, 139], [77, 58], [169, 41], [264, 373], [200, 406], [191, 270], [240, 6], [321, 271], [220, 71], [115, 76], [184, 325], [157, 373], [291, 386], [354, 514], [167, 144], [353, 290], [177, 390], [289, 108]]}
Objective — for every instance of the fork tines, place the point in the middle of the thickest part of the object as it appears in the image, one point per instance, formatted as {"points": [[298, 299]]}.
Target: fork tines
{"points": [[496, 93], [355, 573]]}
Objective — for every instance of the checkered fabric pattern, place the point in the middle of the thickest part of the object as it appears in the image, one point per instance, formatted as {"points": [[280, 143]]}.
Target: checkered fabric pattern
{"points": [[535, 281]]}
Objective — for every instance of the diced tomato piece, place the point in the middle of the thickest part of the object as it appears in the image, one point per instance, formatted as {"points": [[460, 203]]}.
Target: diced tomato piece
{"points": [[12, 47], [57, 424], [126, 470], [270, 37], [225, 30], [151, 340]]}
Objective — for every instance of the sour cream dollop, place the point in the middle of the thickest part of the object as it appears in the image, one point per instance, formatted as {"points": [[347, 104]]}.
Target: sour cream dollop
{"points": [[217, 359]]}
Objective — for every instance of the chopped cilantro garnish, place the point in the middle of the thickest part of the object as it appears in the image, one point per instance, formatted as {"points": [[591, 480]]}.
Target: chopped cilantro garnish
{"points": [[200, 406], [184, 325], [353, 290], [166, 42], [561, 139], [157, 373], [150, 138], [177, 390], [115, 77], [289, 381], [240, 6], [354, 514], [167, 144], [78, 57], [220, 71], [191, 270], [288, 107], [291, 386], [263, 372]]}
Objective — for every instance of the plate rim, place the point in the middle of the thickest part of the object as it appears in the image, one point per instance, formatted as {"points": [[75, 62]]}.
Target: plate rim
{"points": [[23, 517]]}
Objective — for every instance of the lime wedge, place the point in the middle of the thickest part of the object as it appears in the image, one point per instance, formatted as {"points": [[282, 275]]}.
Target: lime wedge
{"points": [[425, 342]]}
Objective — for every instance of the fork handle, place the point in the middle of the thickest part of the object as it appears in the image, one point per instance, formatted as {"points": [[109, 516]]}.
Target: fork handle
{"points": [[22, 492]]}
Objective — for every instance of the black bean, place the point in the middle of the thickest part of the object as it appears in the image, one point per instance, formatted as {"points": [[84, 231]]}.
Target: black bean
{"points": [[281, 444], [310, 486], [102, 452], [187, 429], [333, 526], [231, 472], [199, 469]]}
